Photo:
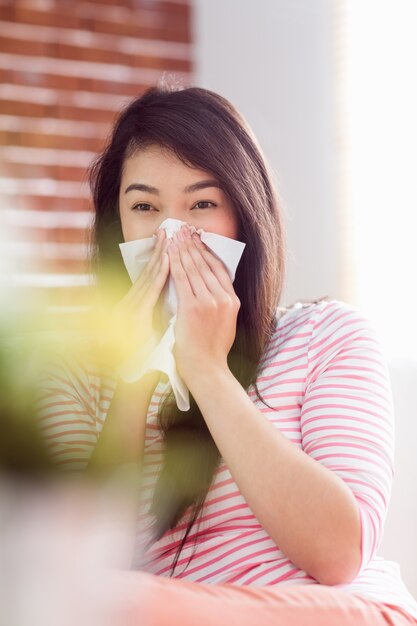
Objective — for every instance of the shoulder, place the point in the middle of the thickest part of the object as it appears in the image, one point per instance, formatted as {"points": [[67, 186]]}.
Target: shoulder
{"points": [[73, 367], [320, 329], [333, 335], [322, 317]]}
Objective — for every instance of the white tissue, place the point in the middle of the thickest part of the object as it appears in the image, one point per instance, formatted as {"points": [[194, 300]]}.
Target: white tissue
{"points": [[136, 255]]}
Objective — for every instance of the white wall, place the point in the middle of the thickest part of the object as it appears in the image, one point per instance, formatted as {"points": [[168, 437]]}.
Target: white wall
{"points": [[274, 60], [399, 541], [277, 61]]}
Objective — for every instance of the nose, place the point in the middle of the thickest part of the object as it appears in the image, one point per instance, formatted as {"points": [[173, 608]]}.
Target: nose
{"points": [[172, 225]]}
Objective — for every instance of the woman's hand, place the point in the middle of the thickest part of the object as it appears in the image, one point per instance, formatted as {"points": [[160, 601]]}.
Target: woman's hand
{"points": [[207, 307], [137, 316]]}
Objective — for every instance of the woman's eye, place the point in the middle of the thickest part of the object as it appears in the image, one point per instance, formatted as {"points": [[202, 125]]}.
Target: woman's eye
{"points": [[203, 202], [141, 206]]}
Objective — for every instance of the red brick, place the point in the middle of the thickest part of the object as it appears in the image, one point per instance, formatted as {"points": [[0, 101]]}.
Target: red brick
{"points": [[128, 4], [64, 142], [177, 31], [71, 83], [159, 63], [132, 89], [9, 138], [27, 170], [86, 114], [47, 18], [6, 76], [44, 203], [177, 8], [50, 81], [21, 46], [56, 266], [33, 170], [34, 109], [157, 20], [54, 235], [35, 264], [96, 55], [8, 12], [66, 173], [167, 24], [26, 109]]}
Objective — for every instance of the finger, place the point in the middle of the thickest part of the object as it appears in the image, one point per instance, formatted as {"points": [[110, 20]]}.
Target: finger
{"points": [[200, 275], [155, 281], [147, 274], [216, 265], [194, 268], [179, 275], [156, 254]]}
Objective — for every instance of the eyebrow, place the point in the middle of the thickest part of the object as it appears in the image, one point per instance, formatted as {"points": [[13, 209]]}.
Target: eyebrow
{"points": [[202, 184]]}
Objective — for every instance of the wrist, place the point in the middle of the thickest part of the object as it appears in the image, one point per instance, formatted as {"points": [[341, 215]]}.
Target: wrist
{"points": [[209, 378], [133, 367], [142, 388]]}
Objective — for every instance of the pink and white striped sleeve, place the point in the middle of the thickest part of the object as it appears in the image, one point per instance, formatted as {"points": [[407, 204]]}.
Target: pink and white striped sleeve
{"points": [[67, 413], [347, 418]]}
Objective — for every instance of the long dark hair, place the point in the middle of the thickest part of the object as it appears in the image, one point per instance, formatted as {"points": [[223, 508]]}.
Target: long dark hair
{"points": [[205, 131]]}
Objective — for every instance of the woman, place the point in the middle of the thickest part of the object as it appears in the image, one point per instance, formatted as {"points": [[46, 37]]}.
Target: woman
{"points": [[266, 500]]}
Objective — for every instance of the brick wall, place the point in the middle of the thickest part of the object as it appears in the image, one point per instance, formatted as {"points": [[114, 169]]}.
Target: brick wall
{"points": [[66, 68]]}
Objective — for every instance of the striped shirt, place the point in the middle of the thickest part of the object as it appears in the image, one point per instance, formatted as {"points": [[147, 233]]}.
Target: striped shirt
{"points": [[325, 378]]}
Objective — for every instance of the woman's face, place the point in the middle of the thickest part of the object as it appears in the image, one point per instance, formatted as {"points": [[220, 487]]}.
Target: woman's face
{"points": [[156, 185]]}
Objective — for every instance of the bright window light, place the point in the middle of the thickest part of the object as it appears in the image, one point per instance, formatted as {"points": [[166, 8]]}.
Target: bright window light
{"points": [[379, 148]]}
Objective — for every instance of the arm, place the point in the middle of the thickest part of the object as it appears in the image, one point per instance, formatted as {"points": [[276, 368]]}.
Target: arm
{"points": [[72, 404], [306, 509], [73, 399], [133, 322], [68, 410], [324, 505], [122, 437], [347, 417], [324, 508]]}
